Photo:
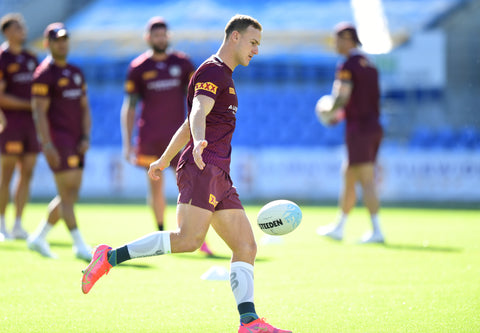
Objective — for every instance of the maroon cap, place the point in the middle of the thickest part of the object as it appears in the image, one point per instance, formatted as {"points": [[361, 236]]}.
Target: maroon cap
{"points": [[55, 30], [350, 28], [156, 22]]}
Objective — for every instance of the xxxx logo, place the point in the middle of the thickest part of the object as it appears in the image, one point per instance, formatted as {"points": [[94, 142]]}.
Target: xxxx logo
{"points": [[208, 86], [212, 200]]}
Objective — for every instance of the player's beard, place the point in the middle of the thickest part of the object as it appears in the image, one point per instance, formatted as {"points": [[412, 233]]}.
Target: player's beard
{"points": [[160, 49]]}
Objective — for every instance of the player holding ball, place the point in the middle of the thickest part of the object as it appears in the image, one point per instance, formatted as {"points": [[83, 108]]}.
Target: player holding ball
{"points": [[356, 90]]}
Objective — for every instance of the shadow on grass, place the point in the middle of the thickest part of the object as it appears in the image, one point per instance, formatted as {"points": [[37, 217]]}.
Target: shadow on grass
{"points": [[428, 248], [212, 257]]}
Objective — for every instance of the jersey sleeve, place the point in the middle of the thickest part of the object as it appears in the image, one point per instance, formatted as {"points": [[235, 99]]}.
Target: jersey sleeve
{"points": [[209, 82], [41, 84], [345, 71], [132, 82]]}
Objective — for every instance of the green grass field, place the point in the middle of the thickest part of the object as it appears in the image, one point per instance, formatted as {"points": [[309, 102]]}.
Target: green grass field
{"points": [[425, 279]]}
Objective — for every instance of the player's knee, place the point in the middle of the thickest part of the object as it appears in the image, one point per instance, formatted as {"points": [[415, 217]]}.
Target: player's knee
{"points": [[247, 249], [192, 243]]}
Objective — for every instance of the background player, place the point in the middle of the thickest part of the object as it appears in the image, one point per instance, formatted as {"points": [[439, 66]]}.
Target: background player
{"points": [[207, 195], [62, 118], [356, 89], [159, 80], [18, 141]]}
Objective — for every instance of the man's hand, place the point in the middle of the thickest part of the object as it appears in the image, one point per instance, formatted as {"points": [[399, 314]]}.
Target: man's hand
{"points": [[83, 146], [157, 167], [197, 153], [51, 154], [128, 154]]}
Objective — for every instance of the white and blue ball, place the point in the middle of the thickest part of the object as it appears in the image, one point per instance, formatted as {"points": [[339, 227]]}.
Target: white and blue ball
{"points": [[279, 217]]}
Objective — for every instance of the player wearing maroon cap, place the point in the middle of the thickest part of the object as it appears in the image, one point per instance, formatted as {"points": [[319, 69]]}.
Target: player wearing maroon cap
{"points": [[18, 140], [62, 118], [207, 195], [356, 89]]}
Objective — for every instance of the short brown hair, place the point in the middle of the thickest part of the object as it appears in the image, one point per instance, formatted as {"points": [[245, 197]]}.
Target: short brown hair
{"points": [[8, 19], [240, 23]]}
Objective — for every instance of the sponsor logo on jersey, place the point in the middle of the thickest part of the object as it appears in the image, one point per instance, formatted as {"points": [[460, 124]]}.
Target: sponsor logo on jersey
{"points": [[344, 75], [63, 82], [212, 200], [231, 90], [129, 86], [233, 108], [22, 77], [40, 89], [72, 93], [208, 86], [13, 68], [269, 225], [163, 84], [149, 75]]}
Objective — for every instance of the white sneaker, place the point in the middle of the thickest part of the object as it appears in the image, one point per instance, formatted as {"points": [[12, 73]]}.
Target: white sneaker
{"points": [[83, 252], [5, 235], [41, 246], [330, 231], [373, 237], [19, 233]]}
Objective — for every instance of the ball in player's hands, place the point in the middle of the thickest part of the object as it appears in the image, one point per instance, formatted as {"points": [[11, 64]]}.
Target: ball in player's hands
{"points": [[325, 115]]}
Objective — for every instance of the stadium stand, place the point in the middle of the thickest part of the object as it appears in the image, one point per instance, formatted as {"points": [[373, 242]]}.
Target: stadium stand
{"points": [[278, 91]]}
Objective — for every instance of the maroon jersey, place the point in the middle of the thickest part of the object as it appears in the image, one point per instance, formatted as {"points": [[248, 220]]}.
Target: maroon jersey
{"points": [[162, 86], [65, 86], [17, 71], [214, 79], [362, 110]]}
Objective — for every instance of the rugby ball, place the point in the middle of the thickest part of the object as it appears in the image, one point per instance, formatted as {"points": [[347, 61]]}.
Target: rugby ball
{"points": [[324, 114], [279, 217]]}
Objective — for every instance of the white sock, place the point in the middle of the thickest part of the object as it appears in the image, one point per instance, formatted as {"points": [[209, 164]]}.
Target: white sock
{"points": [[43, 230], [18, 222], [241, 281], [341, 220], [154, 244], [77, 238], [375, 223], [3, 225]]}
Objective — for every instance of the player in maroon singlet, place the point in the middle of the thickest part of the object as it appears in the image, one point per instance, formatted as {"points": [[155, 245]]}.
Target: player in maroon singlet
{"points": [[62, 118], [207, 195], [18, 141], [356, 89], [159, 79]]}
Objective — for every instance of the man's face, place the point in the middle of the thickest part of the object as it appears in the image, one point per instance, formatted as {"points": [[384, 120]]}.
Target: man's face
{"points": [[247, 45], [344, 42], [59, 47], [16, 33], [158, 40]]}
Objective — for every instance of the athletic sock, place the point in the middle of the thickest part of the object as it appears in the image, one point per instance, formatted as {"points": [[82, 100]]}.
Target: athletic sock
{"points": [[375, 223], [18, 223], [241, 281], [43, 229], [341, 220], [3, 225], [118, 256], [154, 244], [247, 312], [77, 238]]}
